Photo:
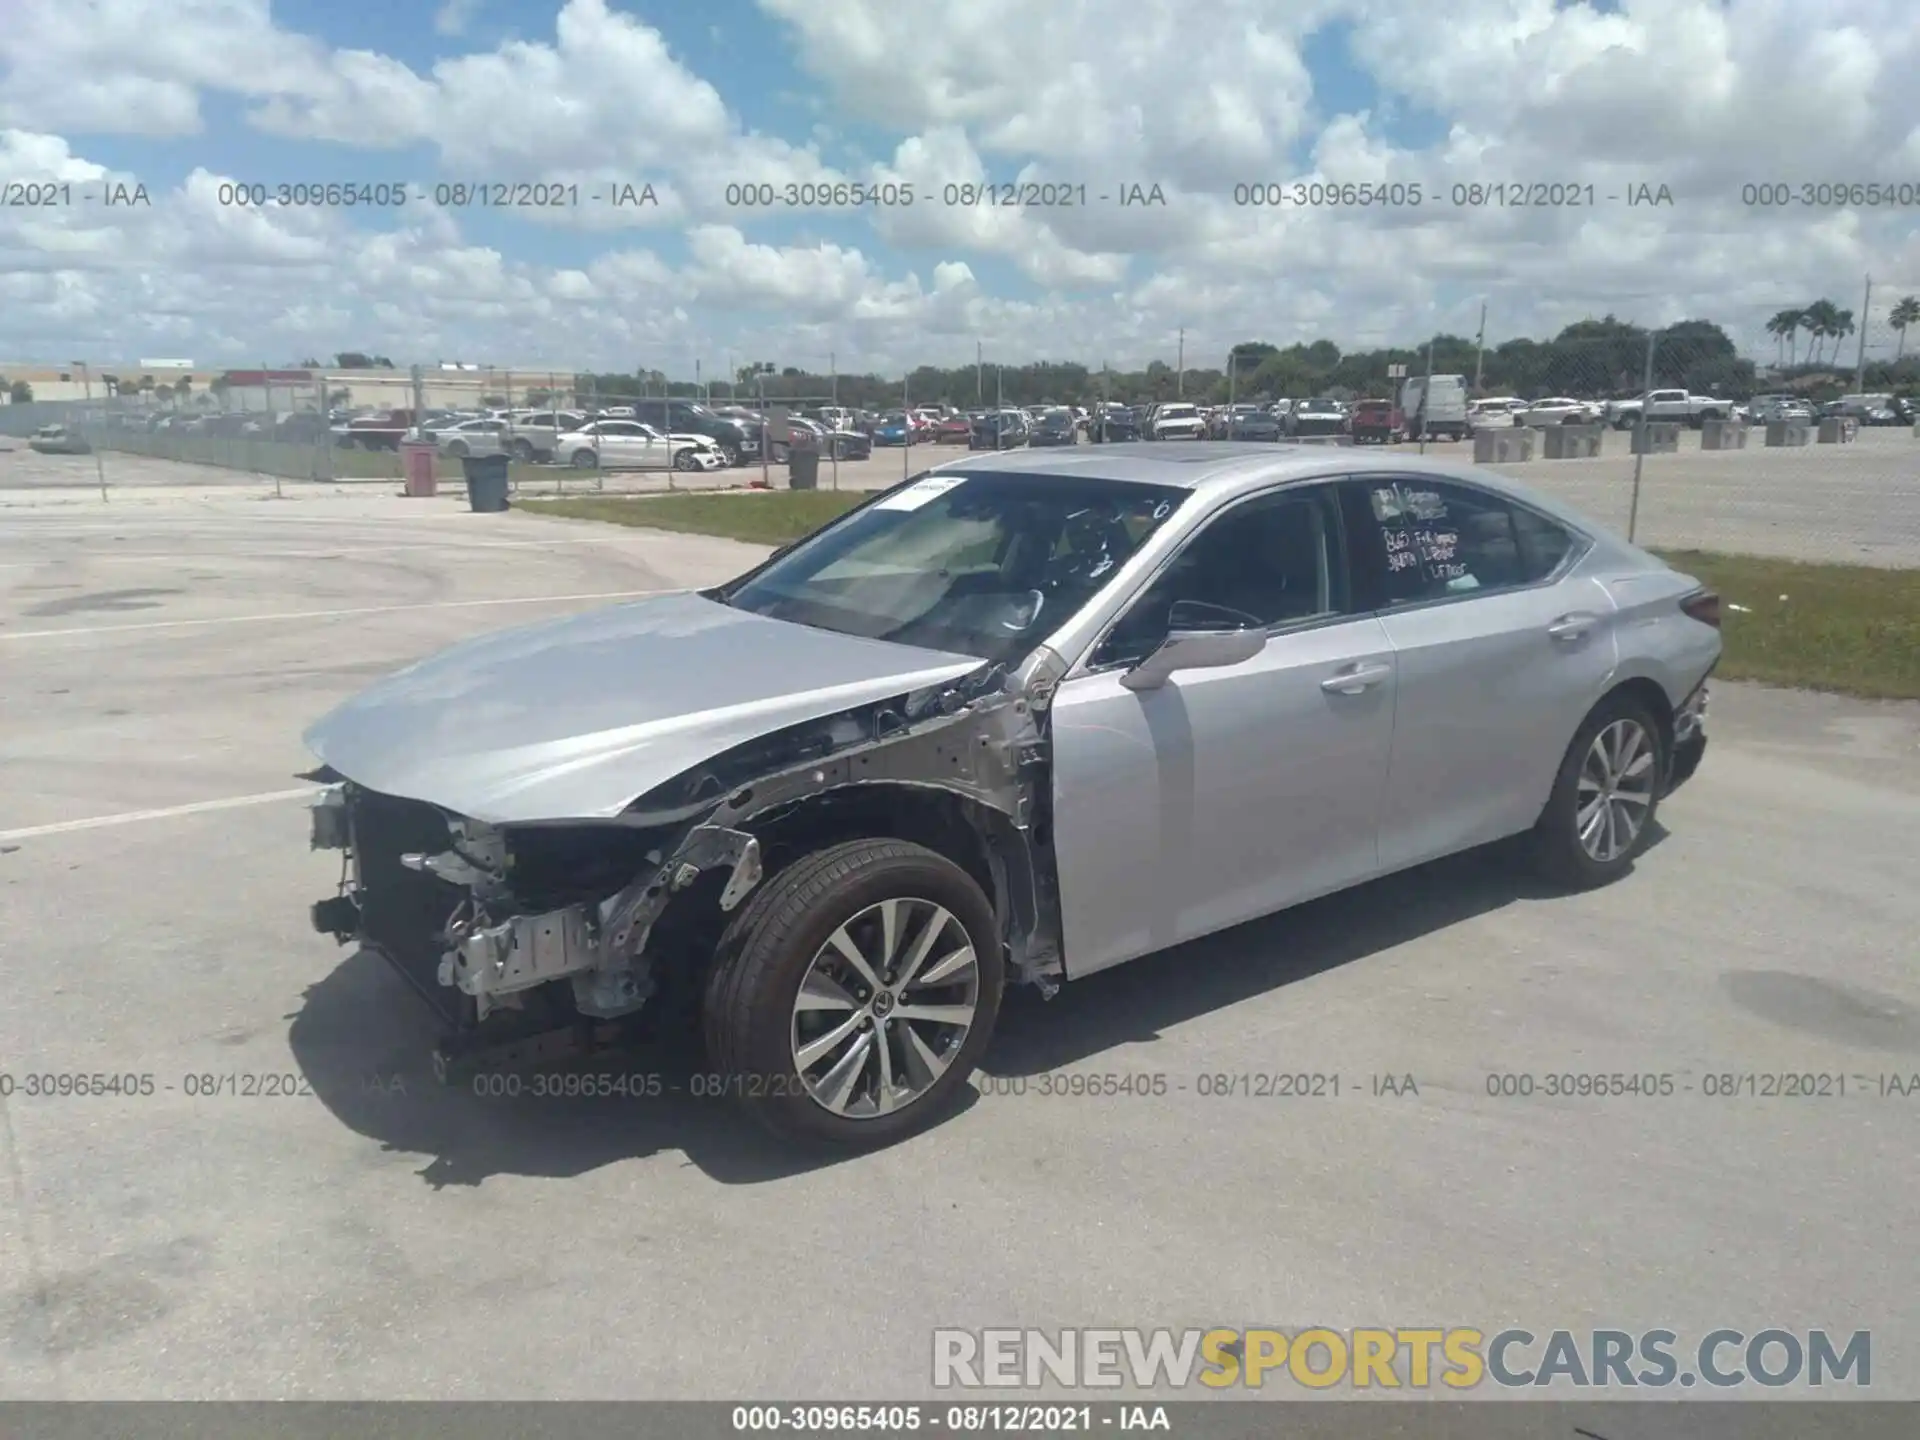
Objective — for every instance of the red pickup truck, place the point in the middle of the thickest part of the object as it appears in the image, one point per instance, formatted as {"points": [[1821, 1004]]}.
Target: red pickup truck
{"points": [[383, 431]]}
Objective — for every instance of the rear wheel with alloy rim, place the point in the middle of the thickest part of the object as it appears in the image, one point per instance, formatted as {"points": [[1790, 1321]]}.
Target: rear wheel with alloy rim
{"points": [[1600, 816], [853, 997]]}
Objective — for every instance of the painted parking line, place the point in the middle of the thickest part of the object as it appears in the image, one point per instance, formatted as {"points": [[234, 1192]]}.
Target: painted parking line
{"points": [[286, 615], [137, 817]]}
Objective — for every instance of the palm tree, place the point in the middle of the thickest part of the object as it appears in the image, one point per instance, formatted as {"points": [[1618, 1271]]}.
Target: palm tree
{"points": [[1785, 329], [1818, 321], [1839, 327], [1904, 314]]}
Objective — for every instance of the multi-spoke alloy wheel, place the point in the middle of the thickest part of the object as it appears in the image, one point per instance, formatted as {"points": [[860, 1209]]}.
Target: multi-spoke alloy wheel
{"points": [[1600, 815], [854, 993], [1618, 783], [885, 1007]]}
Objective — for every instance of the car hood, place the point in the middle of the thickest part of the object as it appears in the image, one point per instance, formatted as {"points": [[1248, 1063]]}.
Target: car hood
{"points": [[576, 718]]}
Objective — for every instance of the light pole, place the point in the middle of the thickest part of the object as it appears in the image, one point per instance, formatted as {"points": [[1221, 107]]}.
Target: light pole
{"points": [[99, 462]]}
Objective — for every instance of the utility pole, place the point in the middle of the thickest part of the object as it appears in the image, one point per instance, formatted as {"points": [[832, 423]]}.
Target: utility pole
{"points": [[1180, 374], [1479, 344], [1860, 367], [833, 379], [979, 383]]}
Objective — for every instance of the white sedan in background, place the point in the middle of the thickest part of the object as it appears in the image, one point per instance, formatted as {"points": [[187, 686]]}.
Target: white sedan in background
{"points": [[632, 445], [469, 437], [1559, 410]]}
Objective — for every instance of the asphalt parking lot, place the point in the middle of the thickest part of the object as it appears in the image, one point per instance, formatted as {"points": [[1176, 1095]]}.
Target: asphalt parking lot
{"points": [[374, 1236]]}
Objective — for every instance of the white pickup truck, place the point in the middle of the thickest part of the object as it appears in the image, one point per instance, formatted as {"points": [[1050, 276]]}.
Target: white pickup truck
{"points": [[1689, 409]]}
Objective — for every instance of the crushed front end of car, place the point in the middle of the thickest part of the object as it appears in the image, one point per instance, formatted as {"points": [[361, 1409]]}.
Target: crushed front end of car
{"points": [[553, 939]]}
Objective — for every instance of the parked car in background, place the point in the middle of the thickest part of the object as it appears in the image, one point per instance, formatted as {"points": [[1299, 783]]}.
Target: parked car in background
{"points": [[1176, 421], [1674, 405], [57, 440], [1054, 427], [1255, 422], [630, 445], [837, 444], [536, 436], [382, 430], [1497, 413], [470, 437], [1559, 410], [1376, 422], [301, 427], [1000, 430], [1876, 409], [1112, 425], [1435, 407], [1319, 416], [1776, 409], [738, 439], [897, 429]]}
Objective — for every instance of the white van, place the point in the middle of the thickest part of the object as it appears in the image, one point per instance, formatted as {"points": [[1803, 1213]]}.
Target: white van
{"points": [[1435, 405]]}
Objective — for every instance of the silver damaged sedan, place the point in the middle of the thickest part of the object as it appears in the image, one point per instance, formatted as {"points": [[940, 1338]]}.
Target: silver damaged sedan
{"points": [[1014, 721]]}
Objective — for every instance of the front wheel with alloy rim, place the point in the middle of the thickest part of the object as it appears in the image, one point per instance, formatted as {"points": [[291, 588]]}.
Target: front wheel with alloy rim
{"points": [[686, 459], [1600, 815], [852, 998]]}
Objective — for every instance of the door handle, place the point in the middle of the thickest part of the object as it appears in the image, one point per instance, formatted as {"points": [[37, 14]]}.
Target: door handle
{"points": [[1355, 678], [1572, 627]]}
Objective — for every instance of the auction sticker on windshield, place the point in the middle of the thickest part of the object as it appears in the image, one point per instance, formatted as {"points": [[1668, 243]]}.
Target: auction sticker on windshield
{"points": [[920, 492]]}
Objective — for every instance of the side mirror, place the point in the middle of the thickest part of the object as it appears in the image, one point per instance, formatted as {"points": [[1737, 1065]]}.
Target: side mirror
{"points": [[1195, 650]]}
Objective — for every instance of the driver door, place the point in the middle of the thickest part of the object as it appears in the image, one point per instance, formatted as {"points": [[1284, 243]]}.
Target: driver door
{"points": [[1232, 792]]}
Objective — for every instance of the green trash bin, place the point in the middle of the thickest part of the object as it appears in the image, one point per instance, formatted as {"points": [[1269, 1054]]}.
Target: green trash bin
{"points": [[486, 482], [803, 469]]}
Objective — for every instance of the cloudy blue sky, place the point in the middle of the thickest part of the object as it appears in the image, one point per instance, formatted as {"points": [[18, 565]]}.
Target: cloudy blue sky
{"points": [[191, 98]]}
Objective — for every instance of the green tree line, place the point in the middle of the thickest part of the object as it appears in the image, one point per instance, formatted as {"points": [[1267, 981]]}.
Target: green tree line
{"points": [[1593, 358]]}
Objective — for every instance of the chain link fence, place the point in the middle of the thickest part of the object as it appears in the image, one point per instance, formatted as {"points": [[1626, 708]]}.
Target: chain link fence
{"points": [[1668, 437]]}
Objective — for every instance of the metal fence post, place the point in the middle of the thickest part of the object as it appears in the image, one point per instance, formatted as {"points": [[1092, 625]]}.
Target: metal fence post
{"points": [[271, 448], [906, 419], [1640, 437], [1426, 398]]}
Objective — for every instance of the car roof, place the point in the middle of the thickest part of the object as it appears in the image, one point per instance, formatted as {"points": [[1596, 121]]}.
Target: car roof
{"points": [[1229, 468]]}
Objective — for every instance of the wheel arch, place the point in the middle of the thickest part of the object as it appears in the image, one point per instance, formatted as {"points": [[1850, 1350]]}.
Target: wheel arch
{"points": [[983, 841], [1649, 692]]}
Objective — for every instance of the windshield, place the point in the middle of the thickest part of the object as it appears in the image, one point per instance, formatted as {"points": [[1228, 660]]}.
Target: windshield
{"points": [[984, 565]]}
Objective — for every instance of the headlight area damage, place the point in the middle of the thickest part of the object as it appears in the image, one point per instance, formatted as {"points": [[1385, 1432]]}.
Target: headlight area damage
{"points": [[537, 941]]}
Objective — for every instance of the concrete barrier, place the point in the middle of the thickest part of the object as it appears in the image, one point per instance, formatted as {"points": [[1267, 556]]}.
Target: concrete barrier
{"points": [[1723, 435], [1787, 433], [1572, 442], [1838, 430], [1503, 447], [1656, 437]]}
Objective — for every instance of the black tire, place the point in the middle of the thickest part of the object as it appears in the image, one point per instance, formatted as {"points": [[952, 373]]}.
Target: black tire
{"points": [[764, 956], [684, 459], [585, 460], [1555, 842], [523, 452], [458, 450]]}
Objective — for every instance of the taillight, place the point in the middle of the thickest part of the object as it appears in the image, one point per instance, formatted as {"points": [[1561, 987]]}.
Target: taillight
{"points": [[1704, 606]]}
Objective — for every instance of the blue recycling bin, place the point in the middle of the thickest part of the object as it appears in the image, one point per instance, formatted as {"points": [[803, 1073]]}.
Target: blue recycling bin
{"points": [[486, 482]]}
